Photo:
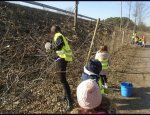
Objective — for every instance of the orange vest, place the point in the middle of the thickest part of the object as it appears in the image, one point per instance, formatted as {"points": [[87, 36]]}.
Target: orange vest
{"points": [[143, 39]]}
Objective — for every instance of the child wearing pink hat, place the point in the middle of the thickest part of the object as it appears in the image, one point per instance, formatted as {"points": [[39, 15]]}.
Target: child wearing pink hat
{"points": [[92, 71], [89, 97]]}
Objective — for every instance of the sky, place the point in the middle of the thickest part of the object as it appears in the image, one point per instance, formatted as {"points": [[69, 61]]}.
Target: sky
{"points": [[94, 9]]}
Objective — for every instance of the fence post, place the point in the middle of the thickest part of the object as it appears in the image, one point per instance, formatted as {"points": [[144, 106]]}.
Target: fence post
{"points": [[92, 40], [113, 36], [76, 13], [122, 36]]}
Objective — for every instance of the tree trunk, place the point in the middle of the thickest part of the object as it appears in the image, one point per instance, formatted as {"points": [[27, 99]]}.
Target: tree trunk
{"points": [[121, 18], [76, 13]]}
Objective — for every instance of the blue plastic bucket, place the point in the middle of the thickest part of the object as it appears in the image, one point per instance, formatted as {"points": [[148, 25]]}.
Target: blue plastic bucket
{"points": [[126, 89]]}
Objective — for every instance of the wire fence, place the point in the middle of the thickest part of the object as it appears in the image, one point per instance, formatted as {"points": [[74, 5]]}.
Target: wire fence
{"points": [[116, 39]]}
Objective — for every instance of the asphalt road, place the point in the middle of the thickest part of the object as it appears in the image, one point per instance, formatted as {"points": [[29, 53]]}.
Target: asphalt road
{"points": [[139, 74]]}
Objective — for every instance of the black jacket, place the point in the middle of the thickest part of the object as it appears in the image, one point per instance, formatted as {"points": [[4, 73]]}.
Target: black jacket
{"points": [[55, 46], [58, 44]]}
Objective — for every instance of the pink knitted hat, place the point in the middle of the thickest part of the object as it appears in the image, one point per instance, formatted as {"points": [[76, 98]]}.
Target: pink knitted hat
{"points": [[88, 94]]}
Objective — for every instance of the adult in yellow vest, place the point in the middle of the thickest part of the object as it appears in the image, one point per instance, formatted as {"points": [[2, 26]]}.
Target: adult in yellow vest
{"points": [[132, 39], [104, 57], [64, 55]]}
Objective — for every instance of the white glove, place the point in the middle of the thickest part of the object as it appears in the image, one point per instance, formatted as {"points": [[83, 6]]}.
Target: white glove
{"points": [[47, 46]]}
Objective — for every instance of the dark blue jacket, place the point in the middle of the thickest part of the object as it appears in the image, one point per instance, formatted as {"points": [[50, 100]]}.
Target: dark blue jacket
{"points": [[88, 75]]}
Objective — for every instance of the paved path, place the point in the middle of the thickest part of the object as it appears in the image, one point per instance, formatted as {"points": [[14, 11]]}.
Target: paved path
{"points": [[139, 74]]}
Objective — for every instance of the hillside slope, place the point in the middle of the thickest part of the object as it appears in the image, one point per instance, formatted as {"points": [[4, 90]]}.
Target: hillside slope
{"points": [[28, 81]]}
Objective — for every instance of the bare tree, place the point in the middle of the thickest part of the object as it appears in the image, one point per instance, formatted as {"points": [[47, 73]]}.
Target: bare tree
{"points": [[135, 15], [121, 18], [68, 9], [71, 10], [129, 4], [141, 12]]}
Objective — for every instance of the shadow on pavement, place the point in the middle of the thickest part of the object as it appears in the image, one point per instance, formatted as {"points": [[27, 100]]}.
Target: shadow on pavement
{"points": [[138, 101], [147, 46], [131, 72]]}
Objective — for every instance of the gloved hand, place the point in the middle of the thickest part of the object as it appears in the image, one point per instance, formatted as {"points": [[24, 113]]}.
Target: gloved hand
{"points": [[47, 46]]}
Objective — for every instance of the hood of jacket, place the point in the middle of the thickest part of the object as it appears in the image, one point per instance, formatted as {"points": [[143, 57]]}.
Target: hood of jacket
{"points": [[88, 72]]}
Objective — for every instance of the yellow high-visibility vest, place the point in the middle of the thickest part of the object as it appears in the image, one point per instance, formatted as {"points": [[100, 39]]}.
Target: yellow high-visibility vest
{"points": [[100, 85], [140, 39], [65, 52], [132, 37], [104, 63]]}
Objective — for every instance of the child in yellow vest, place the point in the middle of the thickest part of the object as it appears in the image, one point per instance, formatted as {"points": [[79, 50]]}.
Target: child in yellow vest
{"points": [[104, 57]]}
